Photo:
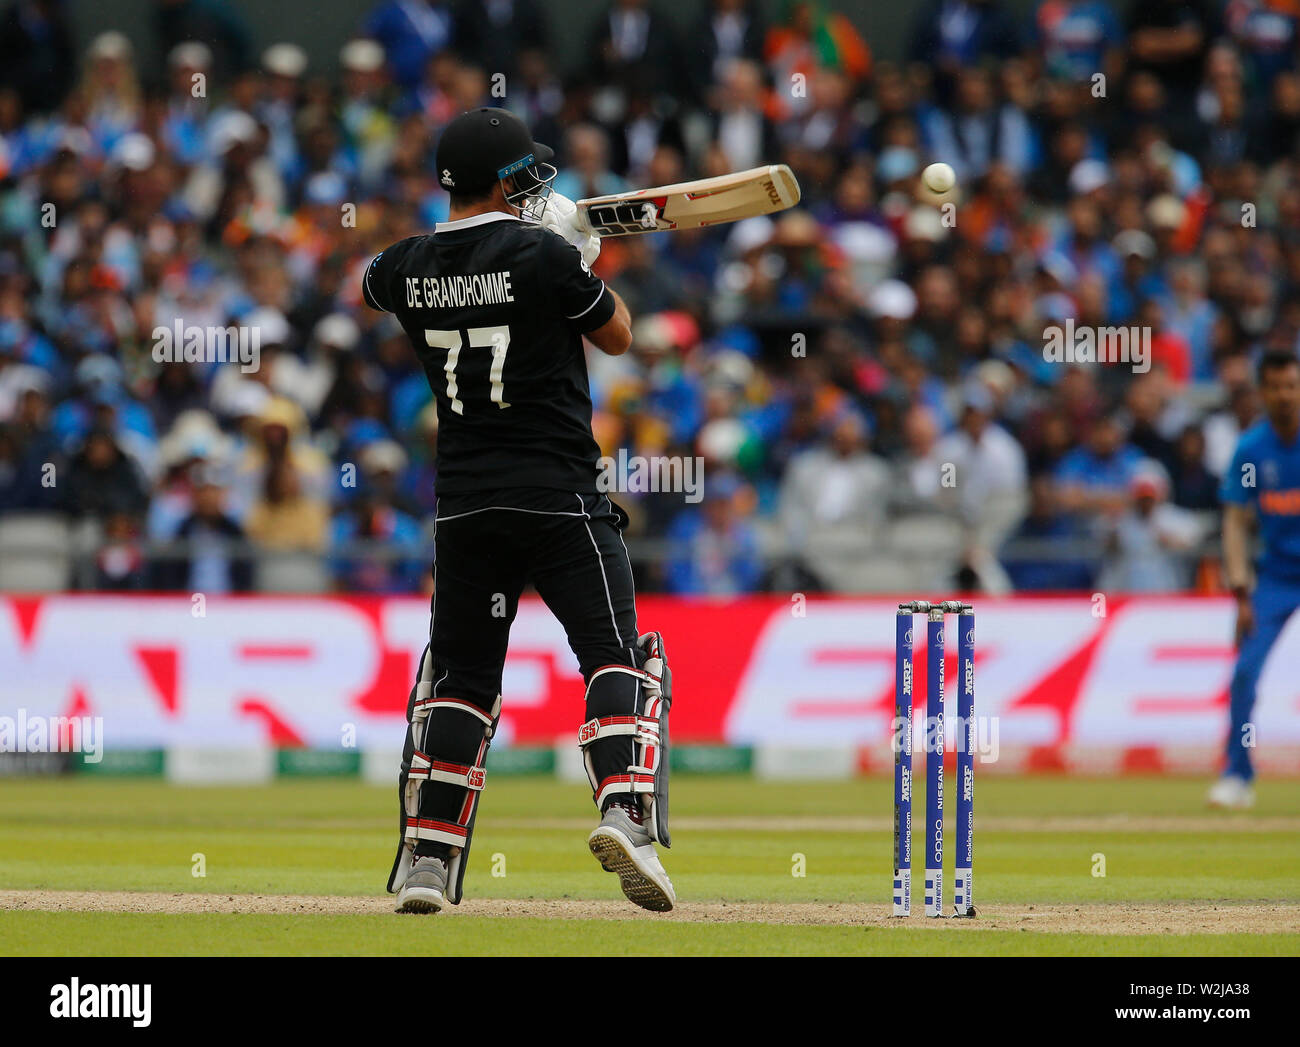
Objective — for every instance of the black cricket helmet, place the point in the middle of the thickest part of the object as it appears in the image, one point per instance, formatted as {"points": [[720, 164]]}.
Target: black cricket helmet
{"points": [[488, 145]]}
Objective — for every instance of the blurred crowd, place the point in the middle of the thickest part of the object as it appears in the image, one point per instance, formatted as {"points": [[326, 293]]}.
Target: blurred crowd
{"points": [[864, 377]]}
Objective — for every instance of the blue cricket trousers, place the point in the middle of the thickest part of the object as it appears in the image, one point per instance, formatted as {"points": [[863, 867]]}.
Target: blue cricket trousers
{"points": [[1274, 601]]}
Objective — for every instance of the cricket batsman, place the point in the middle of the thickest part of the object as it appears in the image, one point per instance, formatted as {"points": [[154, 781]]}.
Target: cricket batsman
{"points": [[496, 302], [1263, 482]]}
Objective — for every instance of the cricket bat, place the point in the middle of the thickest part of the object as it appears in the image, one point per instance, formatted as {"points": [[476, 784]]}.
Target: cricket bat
{"points": [[690, 205]]}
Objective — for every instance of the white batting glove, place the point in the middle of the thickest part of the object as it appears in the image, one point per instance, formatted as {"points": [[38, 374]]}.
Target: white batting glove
{"points": [[562, 216]]}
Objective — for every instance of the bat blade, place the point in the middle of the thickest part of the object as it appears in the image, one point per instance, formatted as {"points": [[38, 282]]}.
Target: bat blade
{"points": [[691, 205]]}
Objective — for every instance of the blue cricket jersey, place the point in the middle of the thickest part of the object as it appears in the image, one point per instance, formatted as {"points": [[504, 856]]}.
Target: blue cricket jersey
{"points": [[1265, 474]]}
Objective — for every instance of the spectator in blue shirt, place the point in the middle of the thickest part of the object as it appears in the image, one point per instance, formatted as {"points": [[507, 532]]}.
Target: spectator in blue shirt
{"points": [[1094, 479], [411, 32], [1077, 38], [715, 547]]}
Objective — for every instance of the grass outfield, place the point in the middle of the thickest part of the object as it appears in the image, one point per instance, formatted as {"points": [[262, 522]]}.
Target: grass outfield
{"points": [[1178, 880]]}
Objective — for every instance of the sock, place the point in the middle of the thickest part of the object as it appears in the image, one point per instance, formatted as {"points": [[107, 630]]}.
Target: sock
{"points": [[628, 804]]}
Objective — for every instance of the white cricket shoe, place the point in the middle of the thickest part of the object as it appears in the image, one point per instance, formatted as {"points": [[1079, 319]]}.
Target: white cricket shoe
{"points": [[423, 889], [1232, 793], [625, 848]]}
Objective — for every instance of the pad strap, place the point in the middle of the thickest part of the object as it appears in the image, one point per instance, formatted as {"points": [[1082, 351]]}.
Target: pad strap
{"points": [[642, 728], [634, 783], [647, 678], [424, 706], [432, 829], [426, 768]]}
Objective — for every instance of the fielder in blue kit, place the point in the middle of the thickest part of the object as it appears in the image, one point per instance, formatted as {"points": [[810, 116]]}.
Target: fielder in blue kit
{"points": [[1263, 484]]}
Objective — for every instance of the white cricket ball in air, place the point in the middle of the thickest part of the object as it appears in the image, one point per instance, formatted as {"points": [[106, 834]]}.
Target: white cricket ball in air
{"points": [[939, 178]]}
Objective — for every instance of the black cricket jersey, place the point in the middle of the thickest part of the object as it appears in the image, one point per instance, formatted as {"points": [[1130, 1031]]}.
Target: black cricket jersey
{"points": [[496, 308]]}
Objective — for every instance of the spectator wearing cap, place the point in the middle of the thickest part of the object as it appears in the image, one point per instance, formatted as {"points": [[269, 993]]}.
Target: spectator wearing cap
{"points": [[377, 542], [109, 92], [276, 108], [1137, 277], [268, 329], [25, 404], [833, 502], [715, 548], [30, 449], [283, 517], [892, 304], [278, 435], [189, 71], [1090, 177], [367, 128], [193, 445]]}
